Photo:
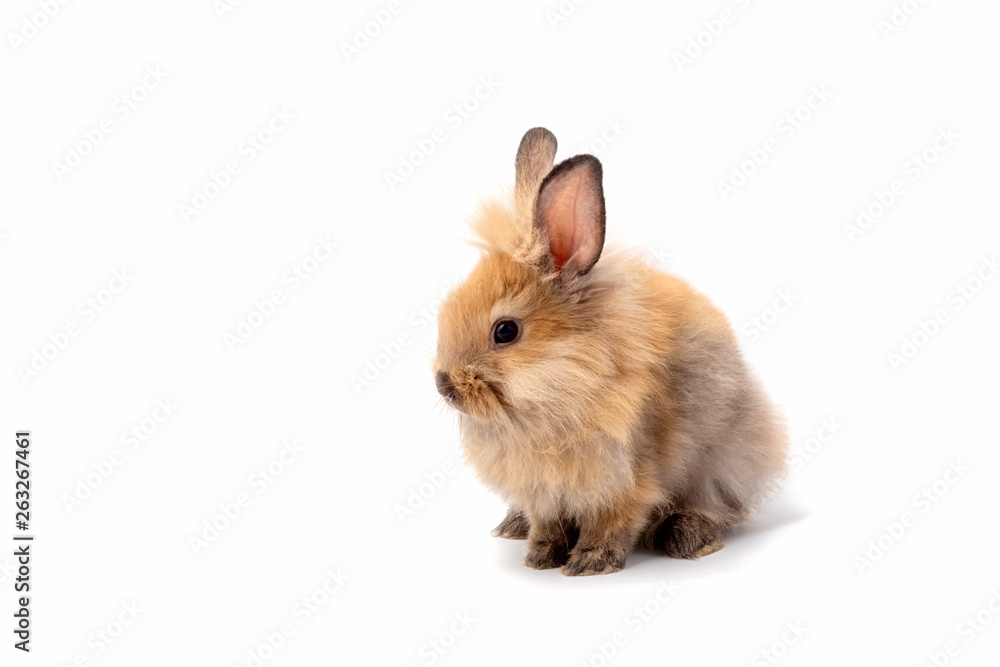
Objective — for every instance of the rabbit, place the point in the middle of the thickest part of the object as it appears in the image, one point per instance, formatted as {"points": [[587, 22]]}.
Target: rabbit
{"points": [[607, 402]]}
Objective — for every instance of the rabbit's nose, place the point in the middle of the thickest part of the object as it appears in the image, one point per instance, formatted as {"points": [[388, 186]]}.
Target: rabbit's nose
{"points": [[444, 386]]}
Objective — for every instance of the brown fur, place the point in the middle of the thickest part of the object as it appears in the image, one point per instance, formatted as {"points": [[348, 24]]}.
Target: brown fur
{"points": [[514, 526], [624, 414]]}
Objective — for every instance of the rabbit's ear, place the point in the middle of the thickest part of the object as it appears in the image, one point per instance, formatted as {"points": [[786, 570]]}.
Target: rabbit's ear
{"points": [[569, 211], [534, 160]]}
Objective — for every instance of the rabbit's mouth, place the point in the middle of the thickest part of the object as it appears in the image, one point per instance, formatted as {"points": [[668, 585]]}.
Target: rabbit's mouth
{"points": [[454, 399], [470, 393], [448, 390]]}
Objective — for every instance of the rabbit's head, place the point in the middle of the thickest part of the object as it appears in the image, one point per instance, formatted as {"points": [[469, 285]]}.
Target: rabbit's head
{"points": [[526, 336]]}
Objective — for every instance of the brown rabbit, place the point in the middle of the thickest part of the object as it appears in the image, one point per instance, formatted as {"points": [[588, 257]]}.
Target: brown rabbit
{"points": [[607, 402]]}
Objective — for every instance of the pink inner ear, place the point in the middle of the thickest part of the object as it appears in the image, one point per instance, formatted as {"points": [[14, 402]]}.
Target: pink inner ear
{"points": [[570, 208], [564, 222]]}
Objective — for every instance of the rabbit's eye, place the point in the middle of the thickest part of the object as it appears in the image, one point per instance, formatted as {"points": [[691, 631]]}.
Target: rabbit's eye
{"points": [[505, 331]]}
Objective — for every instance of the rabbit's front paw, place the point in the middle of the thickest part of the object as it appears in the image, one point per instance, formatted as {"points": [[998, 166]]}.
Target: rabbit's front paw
{"points": [[514, 527], [545, 555], [594, 560]]}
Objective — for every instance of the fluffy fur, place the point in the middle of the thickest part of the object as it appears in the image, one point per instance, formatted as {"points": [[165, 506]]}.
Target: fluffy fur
{"points": [[624, 414]]}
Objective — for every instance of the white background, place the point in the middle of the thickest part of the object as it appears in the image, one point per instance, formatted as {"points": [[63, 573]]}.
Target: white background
{"points": [[604, 77]]}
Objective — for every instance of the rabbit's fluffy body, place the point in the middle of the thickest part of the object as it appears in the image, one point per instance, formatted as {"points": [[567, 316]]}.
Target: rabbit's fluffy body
{"points": [[623, 415]]}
